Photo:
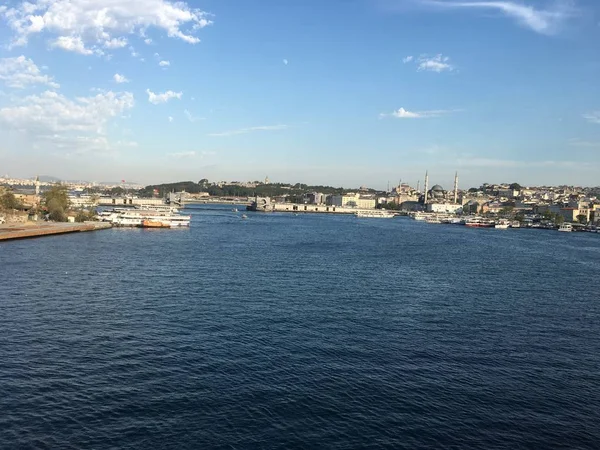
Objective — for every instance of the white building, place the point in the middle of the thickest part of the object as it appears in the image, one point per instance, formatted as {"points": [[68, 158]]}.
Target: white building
{"points": [[450, 208], [352, 200]]}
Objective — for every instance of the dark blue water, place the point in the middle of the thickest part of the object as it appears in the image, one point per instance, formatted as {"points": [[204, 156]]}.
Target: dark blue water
{"points": [[307, 331]]}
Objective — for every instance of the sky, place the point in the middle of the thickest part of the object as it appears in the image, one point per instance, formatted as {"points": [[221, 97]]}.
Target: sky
{"points": [[337, 92]]}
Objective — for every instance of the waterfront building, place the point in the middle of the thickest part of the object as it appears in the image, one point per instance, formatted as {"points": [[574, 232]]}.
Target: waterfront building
{"points": [[449, 208], [352, 200]]}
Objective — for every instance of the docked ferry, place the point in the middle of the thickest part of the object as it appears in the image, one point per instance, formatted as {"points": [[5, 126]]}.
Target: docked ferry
{"points": [[375, 214]]}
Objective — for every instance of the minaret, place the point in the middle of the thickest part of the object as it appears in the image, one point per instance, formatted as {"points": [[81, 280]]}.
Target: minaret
{"points": [[426, 186], [37, 186], [418, 185], [456, 187]]}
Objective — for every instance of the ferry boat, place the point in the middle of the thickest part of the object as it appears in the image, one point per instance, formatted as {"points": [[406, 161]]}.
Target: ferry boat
{"points": [[566, 227], [478, 222], [147, 219], [157, 208], [375, 214]]}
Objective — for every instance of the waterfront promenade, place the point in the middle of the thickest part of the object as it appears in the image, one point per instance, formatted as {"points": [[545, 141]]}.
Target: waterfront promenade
{"points": [[38, 229]]}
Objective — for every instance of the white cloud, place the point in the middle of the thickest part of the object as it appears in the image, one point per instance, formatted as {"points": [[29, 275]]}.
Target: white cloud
{"points": [[170, 119], [407, 59], [190, 117], [53, 121], [120, 78], [249, 130], [164, 63], [115, 43], [437, 63], [148, 41], [404, 114], [162, 98], [21, 72], [285, 61], [593, 117], [539, 20], [94, 22], [72, 44]]}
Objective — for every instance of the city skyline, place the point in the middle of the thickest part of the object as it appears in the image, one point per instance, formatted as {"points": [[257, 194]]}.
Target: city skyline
{"points": [[339, 93]]}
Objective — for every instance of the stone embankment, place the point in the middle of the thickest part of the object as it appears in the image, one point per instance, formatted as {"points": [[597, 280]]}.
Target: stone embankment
{"points": [[38, 229]]}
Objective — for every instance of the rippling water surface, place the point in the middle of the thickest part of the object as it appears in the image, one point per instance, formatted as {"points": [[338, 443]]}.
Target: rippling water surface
{"points": [[307, 331]]}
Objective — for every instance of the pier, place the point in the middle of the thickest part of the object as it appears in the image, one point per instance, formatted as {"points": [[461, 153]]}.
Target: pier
{"points": [[32, 230]]}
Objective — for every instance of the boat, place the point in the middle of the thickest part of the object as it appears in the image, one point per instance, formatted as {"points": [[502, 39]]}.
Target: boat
{"points": [[147, 223], [374, 214], [244, 216], [502, 224], [479, 222], [433, 219], [515, 224], [234, 210], [147, 219], [566, 227]]}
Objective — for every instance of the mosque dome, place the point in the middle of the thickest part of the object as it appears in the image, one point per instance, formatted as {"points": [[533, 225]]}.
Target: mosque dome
{"points": [[437, 188]]}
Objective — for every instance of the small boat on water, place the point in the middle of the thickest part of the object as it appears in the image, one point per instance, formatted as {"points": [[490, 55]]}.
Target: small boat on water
{"points": [[515, 224], [235, 210], [244, 216], [148, 223], [502, 224], [566, 228]]}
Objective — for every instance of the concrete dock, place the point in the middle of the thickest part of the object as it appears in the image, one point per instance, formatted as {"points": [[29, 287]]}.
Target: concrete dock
{"points": [[38, 229]]}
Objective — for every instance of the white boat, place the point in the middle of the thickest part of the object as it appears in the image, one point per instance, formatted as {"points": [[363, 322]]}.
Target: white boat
{"points": [[433, 219], [502, 224], [566, 227], [479, 222], [149, 219], [376, 214], [158, 208], [515, 224]]}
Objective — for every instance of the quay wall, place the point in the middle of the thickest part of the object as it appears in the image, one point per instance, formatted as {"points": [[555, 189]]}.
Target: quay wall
{"points": [[48, 229]]}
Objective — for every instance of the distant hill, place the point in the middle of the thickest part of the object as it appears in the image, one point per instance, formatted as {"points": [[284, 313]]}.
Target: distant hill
{"points": [[49, 179]]}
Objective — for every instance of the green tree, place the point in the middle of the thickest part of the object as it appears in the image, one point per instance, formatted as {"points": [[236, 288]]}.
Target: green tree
{"points": [[515, 186], [558, 219], [582, 218], [57, 202], [8, 201]]}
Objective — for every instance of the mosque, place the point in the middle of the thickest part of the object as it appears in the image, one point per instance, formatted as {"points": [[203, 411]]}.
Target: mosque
{"points": [[437, 199]]}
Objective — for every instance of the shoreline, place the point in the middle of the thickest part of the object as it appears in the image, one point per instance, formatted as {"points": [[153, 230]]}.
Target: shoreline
{"points": [[29, 230]]}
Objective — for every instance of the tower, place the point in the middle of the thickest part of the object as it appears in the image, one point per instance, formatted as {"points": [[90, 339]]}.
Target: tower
{"points": [[456, 187], [418, 185], [37, 186], [426, 186]]}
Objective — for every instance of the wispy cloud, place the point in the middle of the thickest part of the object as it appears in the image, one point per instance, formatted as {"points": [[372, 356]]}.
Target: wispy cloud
{"points": [[593, 117], [120, 78], [575, 142], [170, 119], [249, 130], [285, 61], [407, 59], [162, 97], [181, 155], [438, 63], [405, 114], [190, 117], [543, 21], [164, 63]]}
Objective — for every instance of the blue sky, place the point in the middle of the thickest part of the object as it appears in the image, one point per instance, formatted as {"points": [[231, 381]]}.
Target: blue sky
{"points": [[350, 93]]}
